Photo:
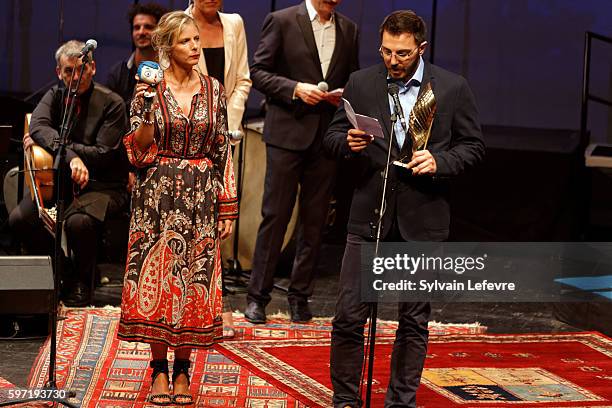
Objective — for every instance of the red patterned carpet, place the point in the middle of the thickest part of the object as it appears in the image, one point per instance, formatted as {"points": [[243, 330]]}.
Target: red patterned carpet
{"points": [[107, 373], [4, 383], [7, 397], [563, 370]]}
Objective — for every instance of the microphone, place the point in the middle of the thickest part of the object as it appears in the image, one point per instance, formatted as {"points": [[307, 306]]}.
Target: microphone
{"points": [[323, 87], [235, 136], [393, 90], [90, 45]]}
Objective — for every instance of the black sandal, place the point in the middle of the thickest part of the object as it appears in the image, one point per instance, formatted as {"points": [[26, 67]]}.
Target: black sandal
{"points": [[181, 367], [159, 367]]}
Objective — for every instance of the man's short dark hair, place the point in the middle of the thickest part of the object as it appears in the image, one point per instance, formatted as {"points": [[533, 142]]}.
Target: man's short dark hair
{"points": [[150, 9], [405, 21]]}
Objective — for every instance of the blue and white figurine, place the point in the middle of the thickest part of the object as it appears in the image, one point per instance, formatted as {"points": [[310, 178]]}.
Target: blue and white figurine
{"points": [[150, 73]]}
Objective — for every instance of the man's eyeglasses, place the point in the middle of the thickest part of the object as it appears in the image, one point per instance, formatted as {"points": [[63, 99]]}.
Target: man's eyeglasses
{"points": [[400, 55]]}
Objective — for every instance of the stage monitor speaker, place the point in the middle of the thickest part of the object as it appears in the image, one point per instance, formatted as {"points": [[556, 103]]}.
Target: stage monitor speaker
{"points": [[26, 284]]}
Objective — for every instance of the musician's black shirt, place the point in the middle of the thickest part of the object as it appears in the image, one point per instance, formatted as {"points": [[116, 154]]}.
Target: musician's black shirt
{"points": [[95, 136]]}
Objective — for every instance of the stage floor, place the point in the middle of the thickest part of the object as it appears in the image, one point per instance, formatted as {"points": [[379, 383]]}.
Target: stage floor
{"points": [[19, 354]]}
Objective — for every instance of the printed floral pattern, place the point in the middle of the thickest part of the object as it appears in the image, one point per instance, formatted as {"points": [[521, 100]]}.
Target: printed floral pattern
{"points": [[185, 185]]}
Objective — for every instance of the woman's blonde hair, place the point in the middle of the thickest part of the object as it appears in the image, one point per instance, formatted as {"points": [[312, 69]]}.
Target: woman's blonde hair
{"points": [[166, 33]]}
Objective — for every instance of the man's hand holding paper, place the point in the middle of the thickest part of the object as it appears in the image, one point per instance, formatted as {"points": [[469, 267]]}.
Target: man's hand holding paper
{"points": [[367, 124], [334, 97], [358, 140]]}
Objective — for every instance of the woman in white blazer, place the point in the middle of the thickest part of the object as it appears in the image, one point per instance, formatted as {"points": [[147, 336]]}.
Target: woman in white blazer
{"points": [[224, 56], [227, 31]]}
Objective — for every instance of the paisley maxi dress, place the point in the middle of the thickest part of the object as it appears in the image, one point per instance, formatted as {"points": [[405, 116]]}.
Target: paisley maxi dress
{"points": [[185, 185]]}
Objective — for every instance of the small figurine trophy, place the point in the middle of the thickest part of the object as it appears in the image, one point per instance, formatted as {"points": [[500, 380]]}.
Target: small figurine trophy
{"points": [[150, 73]]}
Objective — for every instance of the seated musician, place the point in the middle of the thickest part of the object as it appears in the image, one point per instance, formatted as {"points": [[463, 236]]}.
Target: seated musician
{"points": [[94, 163]]}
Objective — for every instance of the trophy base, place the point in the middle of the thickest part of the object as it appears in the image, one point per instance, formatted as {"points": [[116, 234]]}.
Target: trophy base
{"points": [[400, 164], [404, 166]]}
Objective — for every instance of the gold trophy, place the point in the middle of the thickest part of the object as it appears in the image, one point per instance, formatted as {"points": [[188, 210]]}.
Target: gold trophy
{"points": [[420, 122]]}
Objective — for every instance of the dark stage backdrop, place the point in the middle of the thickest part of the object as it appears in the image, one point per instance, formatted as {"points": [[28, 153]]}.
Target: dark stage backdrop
{"points": [[523, 58]]}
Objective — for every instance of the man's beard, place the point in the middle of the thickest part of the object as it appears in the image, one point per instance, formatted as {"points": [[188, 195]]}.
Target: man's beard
{"points": [[403, 73], [397, 72]]}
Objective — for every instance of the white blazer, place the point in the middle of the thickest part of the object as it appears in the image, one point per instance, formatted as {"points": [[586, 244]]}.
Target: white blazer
{"points": [[237, 80]]}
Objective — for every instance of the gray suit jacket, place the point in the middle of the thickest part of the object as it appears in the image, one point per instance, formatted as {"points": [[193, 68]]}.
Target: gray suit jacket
{"points": [[287, 54]]}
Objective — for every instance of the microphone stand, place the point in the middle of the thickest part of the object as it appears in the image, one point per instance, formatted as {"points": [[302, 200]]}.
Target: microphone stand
{"points": [[234, 268], [374, 305], [51, 392]]}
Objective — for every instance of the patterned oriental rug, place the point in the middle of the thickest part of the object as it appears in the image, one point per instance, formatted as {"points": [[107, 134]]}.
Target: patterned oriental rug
{"points": [[5, 384], [107, 373], [562, 370], [6, 397]]}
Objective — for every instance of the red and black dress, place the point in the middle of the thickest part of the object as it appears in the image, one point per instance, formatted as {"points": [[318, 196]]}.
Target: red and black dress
{"points": [[185, 185]]}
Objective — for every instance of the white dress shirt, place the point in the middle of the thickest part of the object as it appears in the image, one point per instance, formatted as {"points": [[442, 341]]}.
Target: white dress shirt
{"points": [[325, 36]]}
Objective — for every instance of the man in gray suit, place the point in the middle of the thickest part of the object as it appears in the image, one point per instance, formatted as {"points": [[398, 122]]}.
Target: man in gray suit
{"points": [[300, 48]]}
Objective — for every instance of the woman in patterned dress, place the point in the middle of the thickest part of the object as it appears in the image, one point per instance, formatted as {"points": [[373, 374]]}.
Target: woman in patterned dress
{"points": [[183, 204]]}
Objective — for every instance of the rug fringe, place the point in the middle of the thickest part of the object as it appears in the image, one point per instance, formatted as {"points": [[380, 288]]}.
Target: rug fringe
{"points": [[283, 315], [107, 307]]}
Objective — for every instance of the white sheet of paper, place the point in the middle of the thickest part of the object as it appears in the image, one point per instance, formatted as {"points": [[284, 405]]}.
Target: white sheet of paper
{"points": [[368, 124], [336, 92]]}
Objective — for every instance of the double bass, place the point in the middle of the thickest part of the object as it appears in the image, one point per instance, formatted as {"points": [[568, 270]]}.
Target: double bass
{"points": [[38, 168]]}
